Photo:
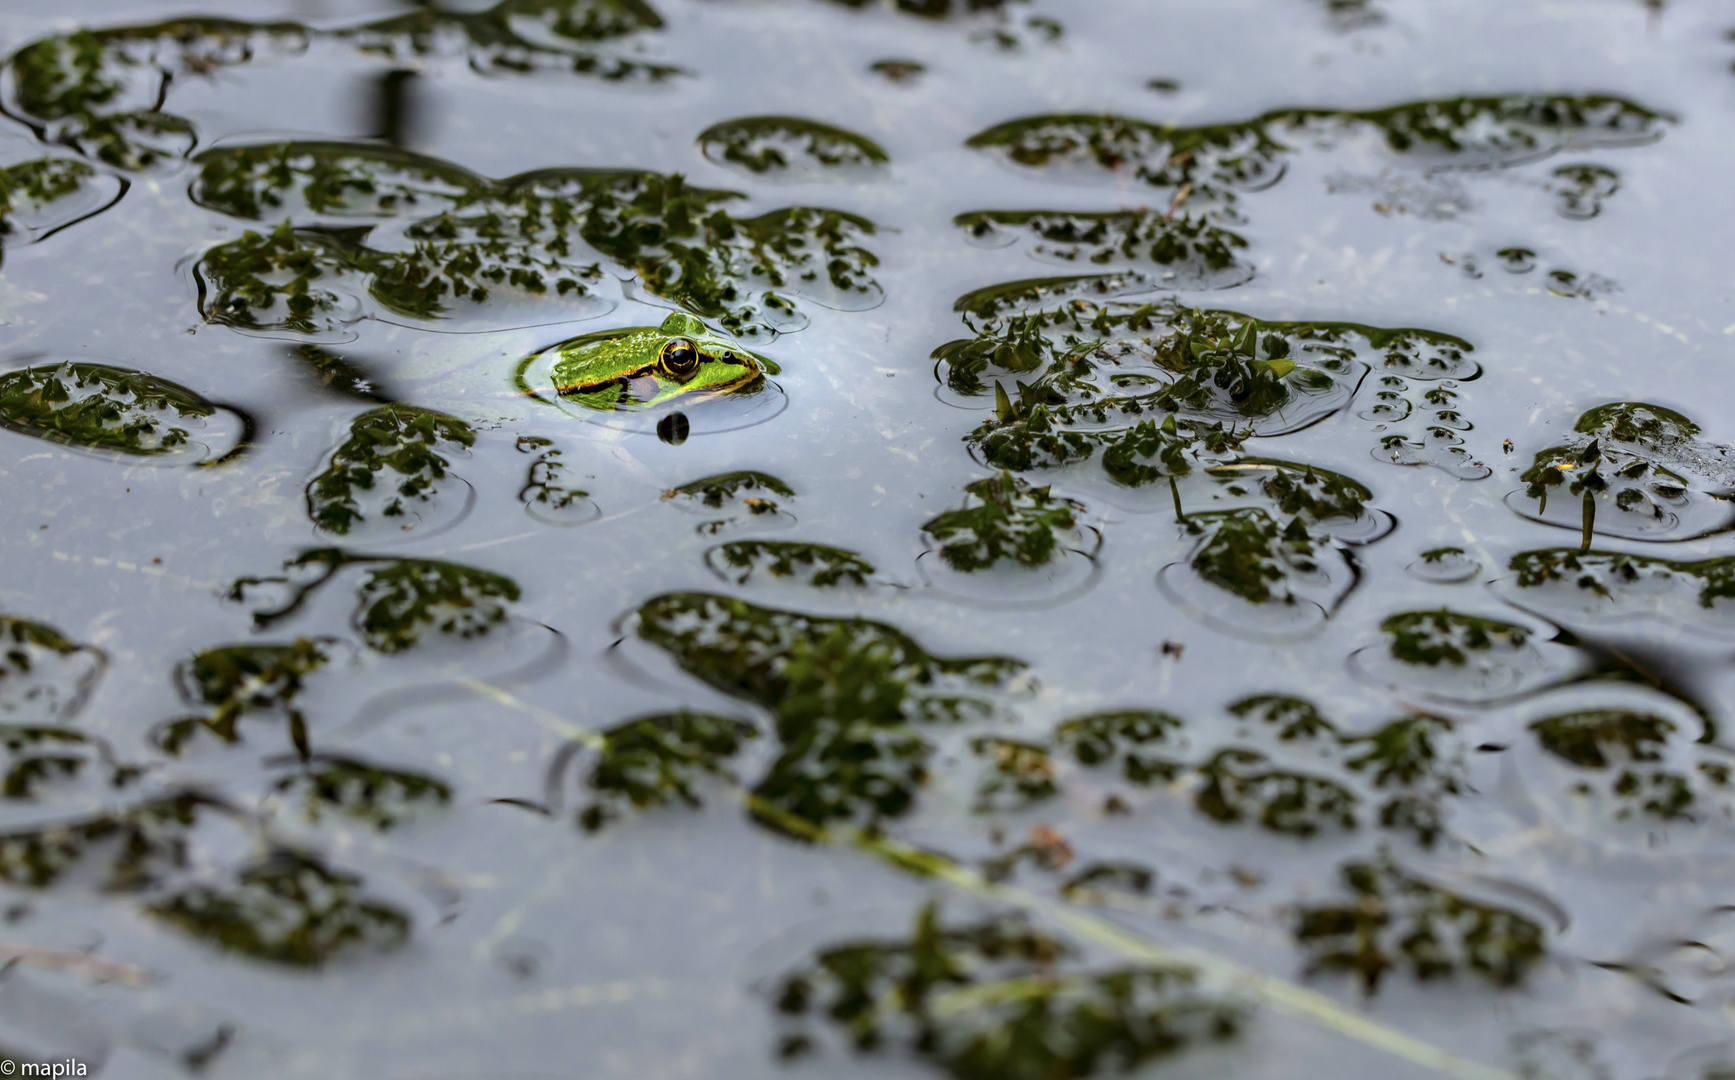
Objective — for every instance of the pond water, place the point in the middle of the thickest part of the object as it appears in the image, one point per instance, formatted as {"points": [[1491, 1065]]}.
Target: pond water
{"points": [[867, 538]]}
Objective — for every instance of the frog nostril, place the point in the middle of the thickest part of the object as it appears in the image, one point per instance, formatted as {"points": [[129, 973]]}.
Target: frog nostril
{"points": [[681, 358]]}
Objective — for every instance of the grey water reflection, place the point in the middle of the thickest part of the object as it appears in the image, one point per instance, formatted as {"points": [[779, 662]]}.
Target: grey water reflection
{"points": [[972, 538]]}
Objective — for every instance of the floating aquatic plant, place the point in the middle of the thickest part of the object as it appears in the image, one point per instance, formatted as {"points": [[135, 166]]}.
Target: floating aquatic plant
{"points": [[108, 408], [1394, 921], [393, 452], [817, 566], [998, 998], [1004, 519], [288, 908], [788, 146], [462, 240]]}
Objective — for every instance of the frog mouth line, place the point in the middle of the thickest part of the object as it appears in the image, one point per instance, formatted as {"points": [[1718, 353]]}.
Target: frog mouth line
{"points": [[642, 391]]}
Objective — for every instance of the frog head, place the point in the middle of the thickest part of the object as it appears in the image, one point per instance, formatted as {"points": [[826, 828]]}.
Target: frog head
{"points": [[642, 367]]}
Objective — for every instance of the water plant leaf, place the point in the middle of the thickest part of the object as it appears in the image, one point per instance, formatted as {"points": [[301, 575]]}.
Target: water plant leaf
{"points": [[1004, 518], [714, 492], [1279, 994], [1607, 586], [985, 1000], [1638, 471], [1395, 921], [1447, 637], [654, 761], [1632, 763], [288, 908], [1293, 773], [143, 843], [1580, 190], [847, 695], [462, 240], [234, 682], [37, 197], [1190, 251], [40, 757], [44, 676], [393, 451], [788, 146], [1144, 743], [1021, 774], [1217, 161], [1158, 387], [102, 407], [104, 92], [1276, 535], [372, 794], [1240, 785], [743, 497], [815, 565], [399, 601]]}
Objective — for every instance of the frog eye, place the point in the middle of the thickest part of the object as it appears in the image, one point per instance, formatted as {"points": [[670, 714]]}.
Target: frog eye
{"points": [[681, 358]]}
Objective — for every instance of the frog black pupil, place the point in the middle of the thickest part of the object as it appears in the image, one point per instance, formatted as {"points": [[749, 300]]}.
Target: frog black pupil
{"points": [[681, 356]]}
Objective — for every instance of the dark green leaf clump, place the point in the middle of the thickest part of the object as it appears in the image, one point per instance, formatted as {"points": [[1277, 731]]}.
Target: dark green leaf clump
{"points": [[1407, 768], [100, 407], [1447, 637], [985, 1002], [468, 240], [1004, 519], [656, 760], [1240, 785], [1144, 743], [1214, 162], [1612, 584], [103, 92], [1195, 250], [44, 676], [1395, 921], [238, 681], [1293, 719], [1643, 464], [1108, 877], [1156, 387], [991, 21], [1021, 774], [1631, 750], [287, 909], [142, 844], [788, 144], [373, 794], [814, 565], [847, 696], [1580, 190], [38, 757], [31, 187], [1262, 552], [544, 489], [400, 600], [398, 444], [714, 491]]}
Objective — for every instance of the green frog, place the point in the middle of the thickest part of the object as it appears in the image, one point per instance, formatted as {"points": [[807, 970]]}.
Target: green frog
{"points": [[643, 367]]}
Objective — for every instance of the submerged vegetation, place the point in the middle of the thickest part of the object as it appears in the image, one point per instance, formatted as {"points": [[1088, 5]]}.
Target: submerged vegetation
{"points": [[459, 240], [1110, 839], [101, 407], [103, 92], [997, 998], [1005, 520], [1643, 468], [1217, 162]]}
